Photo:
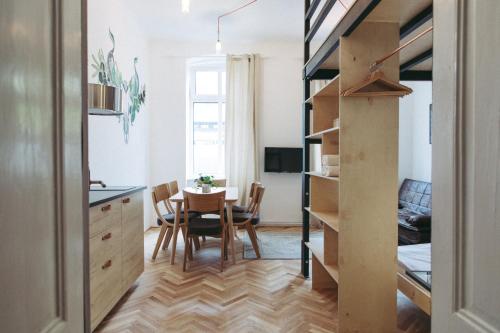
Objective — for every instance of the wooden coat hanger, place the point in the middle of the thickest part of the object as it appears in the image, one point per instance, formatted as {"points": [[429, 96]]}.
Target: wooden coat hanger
{"points": [[377, 85]]}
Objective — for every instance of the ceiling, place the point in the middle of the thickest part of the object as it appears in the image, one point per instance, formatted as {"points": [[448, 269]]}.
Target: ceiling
{"points": [[263, 21]]}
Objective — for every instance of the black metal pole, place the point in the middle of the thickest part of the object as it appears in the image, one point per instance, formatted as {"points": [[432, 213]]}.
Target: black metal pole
{"points": [[305, 157]]}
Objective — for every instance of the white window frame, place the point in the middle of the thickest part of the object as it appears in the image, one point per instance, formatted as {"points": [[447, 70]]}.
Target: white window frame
{"points": [[206, 64]]}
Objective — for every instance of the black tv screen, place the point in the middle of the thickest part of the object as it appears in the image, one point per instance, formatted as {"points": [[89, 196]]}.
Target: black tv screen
{"points": [[283, 160]]}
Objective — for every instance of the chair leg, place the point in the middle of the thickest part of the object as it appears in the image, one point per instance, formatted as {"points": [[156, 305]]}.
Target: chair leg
{"points": [[174, 245], [253, 237], [160, 239], [168, 237], [183, 230], [186, 240], [222, 247], [186, 250], [225, 244], [197, 245]]}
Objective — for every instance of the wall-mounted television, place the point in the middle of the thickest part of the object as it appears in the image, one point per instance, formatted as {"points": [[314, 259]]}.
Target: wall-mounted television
{"points": [[279, 159]]}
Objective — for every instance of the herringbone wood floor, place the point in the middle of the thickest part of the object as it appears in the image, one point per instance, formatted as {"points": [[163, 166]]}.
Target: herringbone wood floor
{"points": [[251, 296]]}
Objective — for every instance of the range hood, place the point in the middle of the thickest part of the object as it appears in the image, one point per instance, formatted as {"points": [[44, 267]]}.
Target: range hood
{"points": [[104, 100]]}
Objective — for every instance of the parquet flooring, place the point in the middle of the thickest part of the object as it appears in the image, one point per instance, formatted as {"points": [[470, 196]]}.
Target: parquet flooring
{"points": [[251, 296]]}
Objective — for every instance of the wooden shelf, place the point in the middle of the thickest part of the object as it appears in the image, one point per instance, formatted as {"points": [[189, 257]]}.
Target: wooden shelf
{"points": [[316, 247], [331, 219], [319, 175], [320, 134], [331, 89]]}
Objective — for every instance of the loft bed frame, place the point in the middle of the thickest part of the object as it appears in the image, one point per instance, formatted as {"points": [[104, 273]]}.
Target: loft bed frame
{"points": [[416, 61], [415, 64]]}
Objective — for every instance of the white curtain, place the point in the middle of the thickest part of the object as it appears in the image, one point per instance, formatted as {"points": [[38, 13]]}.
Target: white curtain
{"points": [[241, 166]]}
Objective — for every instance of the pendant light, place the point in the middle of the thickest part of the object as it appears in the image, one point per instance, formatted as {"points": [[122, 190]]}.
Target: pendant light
{"points": [[218, 45]]}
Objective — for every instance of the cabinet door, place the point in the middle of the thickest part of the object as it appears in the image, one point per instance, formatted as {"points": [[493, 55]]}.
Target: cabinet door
{"points": [[133, 238]]}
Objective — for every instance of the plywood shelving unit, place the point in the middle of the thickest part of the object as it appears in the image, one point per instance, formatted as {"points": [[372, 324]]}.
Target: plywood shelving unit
{"points": [[325, 105], [357, 255]]}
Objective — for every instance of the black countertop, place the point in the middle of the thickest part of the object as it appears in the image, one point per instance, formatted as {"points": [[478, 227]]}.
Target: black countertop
{"points": [[101, 195]]}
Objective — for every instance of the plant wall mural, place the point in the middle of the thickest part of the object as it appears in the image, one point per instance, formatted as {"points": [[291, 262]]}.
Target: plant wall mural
{"points": [[106, 71]]}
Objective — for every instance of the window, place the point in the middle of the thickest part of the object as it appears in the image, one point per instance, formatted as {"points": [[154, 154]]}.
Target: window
{"points": [[206, 117]]}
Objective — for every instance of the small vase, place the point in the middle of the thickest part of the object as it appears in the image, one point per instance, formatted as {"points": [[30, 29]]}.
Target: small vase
{"points": [[205, 188]]}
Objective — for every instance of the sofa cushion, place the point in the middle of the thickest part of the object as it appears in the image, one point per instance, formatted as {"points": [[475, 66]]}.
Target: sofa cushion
{"points": [[419, 220], [403, 223], [416, 196], [415, 210], [407, 237]]}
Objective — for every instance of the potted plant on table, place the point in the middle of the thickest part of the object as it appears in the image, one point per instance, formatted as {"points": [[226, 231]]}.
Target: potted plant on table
{"points": [[206, 183]]}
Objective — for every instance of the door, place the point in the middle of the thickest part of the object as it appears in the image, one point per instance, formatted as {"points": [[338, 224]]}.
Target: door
{"points": [[41, 167], [466, 167]]}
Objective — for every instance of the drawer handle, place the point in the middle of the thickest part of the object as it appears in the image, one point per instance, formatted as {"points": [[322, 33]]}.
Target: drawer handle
{"points": [[106, 208], [107, 264], [107, 236], [126, 200]]}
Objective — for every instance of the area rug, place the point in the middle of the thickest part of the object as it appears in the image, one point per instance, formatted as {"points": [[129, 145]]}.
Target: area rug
{"points": [[276, 245]]}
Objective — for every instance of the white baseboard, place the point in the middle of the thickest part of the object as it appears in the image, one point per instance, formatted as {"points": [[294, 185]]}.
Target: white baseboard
{"points": [[279, 224]]}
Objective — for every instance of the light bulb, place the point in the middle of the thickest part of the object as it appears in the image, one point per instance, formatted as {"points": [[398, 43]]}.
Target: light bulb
{"points": [[185, 6], [218, 46]]}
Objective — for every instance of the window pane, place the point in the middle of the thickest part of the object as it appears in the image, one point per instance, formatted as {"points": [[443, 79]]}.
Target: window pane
{"points": [[223, 83], [207, 83], [223, 121], [206, 138]]}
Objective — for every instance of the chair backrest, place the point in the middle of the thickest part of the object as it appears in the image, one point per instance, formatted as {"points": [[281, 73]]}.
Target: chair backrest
{"points": [[220, 182], [159, 194], [251, 196], [204, 203], [257, 199], [174, 187]]}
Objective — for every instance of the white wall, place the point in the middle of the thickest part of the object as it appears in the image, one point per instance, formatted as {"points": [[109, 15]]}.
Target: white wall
{"points": [[415, 152], [278, 107], [110, 159]]}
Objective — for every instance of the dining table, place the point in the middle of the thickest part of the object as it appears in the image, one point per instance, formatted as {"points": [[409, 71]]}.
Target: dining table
{"points": [[230, 199]]}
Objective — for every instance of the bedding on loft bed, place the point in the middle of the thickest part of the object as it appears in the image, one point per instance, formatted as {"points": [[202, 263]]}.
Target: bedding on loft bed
{"points": [[415, 257]]}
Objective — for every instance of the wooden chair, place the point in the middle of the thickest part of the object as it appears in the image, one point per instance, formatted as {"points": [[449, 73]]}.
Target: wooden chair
{"points": [[160, 194], [174, 187], [200, 226], [251, 197], [251, 218]]}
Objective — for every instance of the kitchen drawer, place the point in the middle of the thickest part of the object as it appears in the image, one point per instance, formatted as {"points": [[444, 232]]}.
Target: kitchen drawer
{"points": [[105, 288], [105, 271], [104, 216], [103, 246]]}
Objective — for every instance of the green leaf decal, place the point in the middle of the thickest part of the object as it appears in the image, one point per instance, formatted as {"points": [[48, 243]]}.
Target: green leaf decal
{"points": [[108, 73]]}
